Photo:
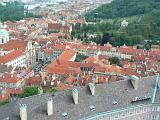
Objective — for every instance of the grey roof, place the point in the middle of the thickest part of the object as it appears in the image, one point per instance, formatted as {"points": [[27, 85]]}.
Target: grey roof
{"points": [[105, 97]]}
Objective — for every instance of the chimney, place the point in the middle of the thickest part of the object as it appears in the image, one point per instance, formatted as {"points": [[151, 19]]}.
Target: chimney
{"points": [[92, 88], [50, 107], [135, 82], [23, 112], [75, 95], [11, 75], [158, 80]]}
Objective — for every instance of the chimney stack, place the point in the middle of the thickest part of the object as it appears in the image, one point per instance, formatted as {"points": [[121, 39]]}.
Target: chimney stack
{"points": [[23, 112], [92, 88], [135, 82], [50, 107], [75, 95], [158, 80]]}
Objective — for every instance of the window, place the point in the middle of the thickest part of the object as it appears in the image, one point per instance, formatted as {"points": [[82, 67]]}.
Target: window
{"points": [[2, 40]]}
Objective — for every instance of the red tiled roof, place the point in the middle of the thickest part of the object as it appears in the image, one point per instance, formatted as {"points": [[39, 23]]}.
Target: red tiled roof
{"points": [[54, 26], [101, 79], [70, 79], [62, 86], [58, 70], [9, 78], [115, 69], [90, 59], [100, 69], [14, 44], [60, 46], [128, 71], [4, 96], [49, 51], [33, 80], [67, 55], [57, 34], [11, 56], [8, 23], [15, 90]]}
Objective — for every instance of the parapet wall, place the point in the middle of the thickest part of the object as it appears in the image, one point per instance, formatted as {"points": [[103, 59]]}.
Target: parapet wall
{"points": [[140, 112]]}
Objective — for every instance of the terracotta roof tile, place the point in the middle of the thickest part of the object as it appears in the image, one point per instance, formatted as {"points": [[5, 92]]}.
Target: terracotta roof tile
{"points": [[8, 57], [70, 79], [9, 78], [14, 44], [62, 86], [67, 55]]}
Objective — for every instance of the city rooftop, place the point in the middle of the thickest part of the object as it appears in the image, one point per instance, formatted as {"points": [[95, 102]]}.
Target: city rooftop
{"points": [[107, 97]]}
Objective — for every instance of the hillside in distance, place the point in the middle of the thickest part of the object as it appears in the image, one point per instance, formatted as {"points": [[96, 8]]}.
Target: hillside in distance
{"points": [[143, 17], [14, 11], [124, 8]]}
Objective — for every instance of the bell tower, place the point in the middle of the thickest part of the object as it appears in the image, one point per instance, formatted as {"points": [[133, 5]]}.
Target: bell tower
{"points": [[30, 54]]}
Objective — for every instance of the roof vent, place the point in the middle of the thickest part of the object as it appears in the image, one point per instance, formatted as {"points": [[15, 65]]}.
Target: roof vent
{"points": [[64, 114], [114, 102], [92, 108]]}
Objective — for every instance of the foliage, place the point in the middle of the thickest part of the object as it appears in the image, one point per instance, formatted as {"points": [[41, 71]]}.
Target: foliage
{"points": [[107, 32], [123, 8], [115, 61], [29, 91], [4, 102], [80, 57], [143, 18], [13, 11], [55, 89], [75, 83]]}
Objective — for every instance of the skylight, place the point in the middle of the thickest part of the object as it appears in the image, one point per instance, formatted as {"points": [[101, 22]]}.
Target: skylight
{"points": [[143, 98]]}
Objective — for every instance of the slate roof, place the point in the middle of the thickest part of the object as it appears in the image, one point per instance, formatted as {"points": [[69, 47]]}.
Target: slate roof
{"points": [[122, 92]]}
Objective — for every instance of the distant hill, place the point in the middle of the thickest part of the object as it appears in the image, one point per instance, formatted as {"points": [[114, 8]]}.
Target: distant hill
{"points": [[13, 11], [143, 17], [124, 8]]}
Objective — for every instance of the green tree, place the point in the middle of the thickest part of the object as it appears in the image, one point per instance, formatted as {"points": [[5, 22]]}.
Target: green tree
{"points": [[29, 91], [114, 60], [13, 11], [147, 46], [55, 89]]}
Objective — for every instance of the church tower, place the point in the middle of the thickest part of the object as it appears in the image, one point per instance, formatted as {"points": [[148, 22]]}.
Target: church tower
{"points": [[30, 54], [4, 34]]}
